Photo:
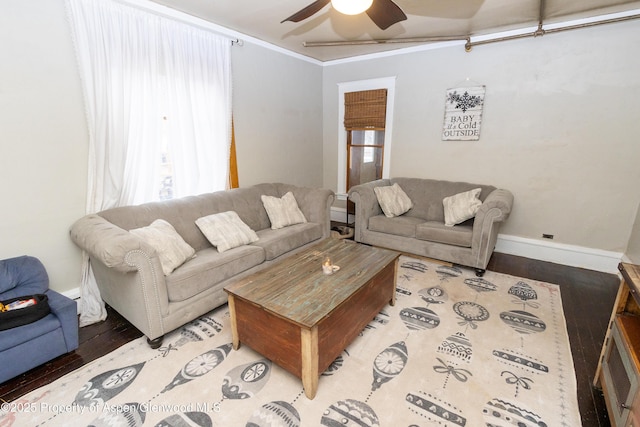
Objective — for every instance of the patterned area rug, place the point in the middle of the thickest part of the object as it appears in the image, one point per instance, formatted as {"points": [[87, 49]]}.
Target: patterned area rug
{"points": [[455, 350]]}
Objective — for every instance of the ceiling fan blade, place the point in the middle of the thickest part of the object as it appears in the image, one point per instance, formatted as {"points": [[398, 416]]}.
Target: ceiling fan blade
{"points": [[385, 13], [307, 11]]}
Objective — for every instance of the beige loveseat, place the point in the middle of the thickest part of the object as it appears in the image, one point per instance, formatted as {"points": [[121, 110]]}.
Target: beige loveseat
{"points": [[422, 231], [129, 272]]}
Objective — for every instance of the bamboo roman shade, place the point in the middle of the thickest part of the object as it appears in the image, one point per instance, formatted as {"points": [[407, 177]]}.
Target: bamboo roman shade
{"points": [[365, 109]]}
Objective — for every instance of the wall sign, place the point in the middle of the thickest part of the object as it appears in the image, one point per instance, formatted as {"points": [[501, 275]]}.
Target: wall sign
{"points": [[463, 114]]}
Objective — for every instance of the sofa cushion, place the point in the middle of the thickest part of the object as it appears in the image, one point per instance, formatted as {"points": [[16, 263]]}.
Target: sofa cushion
{"points": [[29, 354], [278, 242], [171, 248], [21, 334], [392, 200], [283, 211], [225, 230], [461, 207], [210, 267], [434, 231], [400, 225]]}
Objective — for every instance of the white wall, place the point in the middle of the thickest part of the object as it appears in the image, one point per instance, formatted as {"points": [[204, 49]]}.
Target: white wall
{"points": [[559, 128], [43, 132], [43, 147]]}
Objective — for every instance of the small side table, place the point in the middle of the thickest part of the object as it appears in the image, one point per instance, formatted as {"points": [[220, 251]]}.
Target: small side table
{"points": [[618, 372]]}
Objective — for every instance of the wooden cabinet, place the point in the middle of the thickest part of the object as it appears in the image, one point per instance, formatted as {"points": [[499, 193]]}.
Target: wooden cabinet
{"points": [[618, 371]]}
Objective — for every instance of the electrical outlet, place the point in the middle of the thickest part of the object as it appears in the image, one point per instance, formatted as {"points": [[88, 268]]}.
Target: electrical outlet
{"points": [[547, 236]]}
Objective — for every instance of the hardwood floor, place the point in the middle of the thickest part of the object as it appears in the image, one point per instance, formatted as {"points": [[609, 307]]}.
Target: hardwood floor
{"points": [[587, 298], [95, 341]]}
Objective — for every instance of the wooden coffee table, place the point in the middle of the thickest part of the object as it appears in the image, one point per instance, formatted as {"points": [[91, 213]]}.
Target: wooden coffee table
{"points": [[300, 318]]}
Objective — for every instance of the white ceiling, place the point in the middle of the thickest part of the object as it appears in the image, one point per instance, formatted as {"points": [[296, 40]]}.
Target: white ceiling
{"points": [[261, 19]]}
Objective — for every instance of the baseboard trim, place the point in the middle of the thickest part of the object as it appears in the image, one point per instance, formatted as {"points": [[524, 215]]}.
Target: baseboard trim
{"points": [[340, 215], [74, 294], [558, 253]]}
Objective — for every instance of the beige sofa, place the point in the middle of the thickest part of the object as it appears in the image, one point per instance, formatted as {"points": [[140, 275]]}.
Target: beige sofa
{"points": [[422, 230], [129, 273]]}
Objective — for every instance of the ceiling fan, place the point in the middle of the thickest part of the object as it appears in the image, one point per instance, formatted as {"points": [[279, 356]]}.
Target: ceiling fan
{"points": [[384, 13]]}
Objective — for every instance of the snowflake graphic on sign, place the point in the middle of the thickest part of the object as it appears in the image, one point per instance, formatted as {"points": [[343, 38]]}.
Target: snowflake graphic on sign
{"points": [[464, 101], [463, 114]]}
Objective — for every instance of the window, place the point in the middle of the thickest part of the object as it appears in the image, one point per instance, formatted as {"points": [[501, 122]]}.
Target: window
{"points": [[166, 166], [364, 152], [364, 121], [157, 94]]}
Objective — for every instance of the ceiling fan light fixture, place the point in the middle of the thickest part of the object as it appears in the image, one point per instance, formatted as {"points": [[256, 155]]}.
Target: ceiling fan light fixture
{"points": [[351, 7]]}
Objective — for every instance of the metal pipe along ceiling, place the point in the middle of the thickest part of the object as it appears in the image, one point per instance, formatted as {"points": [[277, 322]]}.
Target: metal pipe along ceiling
{"points": [[540, 31]]}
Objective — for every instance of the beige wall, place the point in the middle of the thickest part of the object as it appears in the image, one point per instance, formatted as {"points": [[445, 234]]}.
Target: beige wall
{"points": [[633, 250], [43, 133], [43, 147], [559, 128], [277, 107]]}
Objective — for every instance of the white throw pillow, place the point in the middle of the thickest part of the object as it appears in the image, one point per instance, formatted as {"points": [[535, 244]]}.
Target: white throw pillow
{"points": [[393, 200], [461, 207], [172, 250], [225, 230], [283, 211]]}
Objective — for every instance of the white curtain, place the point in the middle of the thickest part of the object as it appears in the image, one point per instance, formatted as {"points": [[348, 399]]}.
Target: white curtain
{"points": [[198, 106], [142, 74]]}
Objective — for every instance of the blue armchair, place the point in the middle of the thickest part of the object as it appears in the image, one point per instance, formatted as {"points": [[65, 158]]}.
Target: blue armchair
{"points": [[25, 347]]}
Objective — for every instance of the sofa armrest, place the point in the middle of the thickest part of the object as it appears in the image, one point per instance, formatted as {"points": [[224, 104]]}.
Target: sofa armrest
{"points": [[23, 275], [127, 270], [494, 210], [315, 204], [66, 310], [497, 206], [366, 203], [107, 242]]}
